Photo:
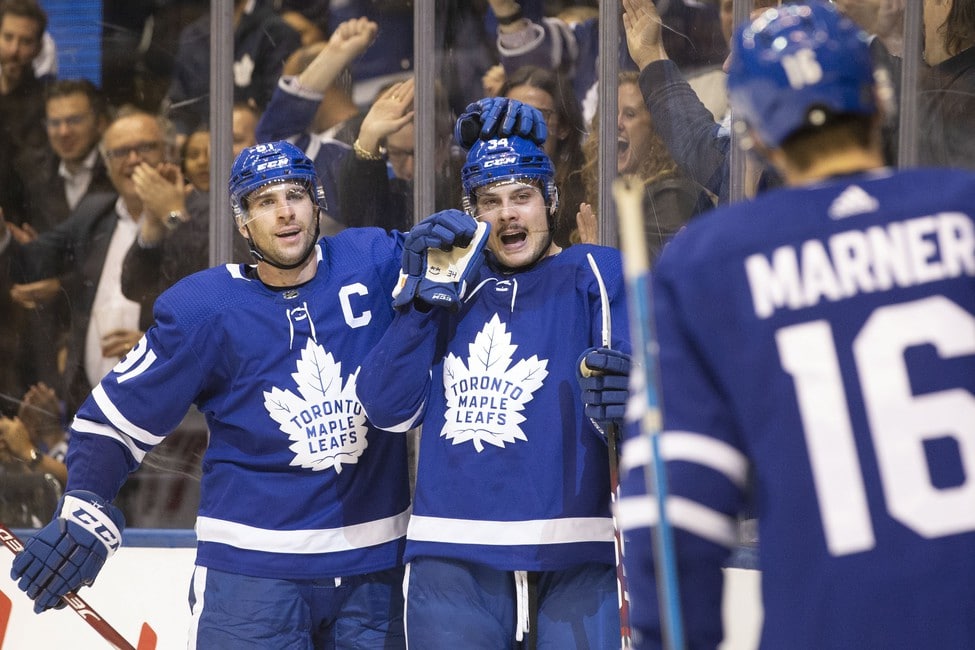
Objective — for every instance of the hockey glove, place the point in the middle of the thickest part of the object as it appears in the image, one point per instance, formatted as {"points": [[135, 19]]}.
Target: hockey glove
{"points": [[499, 117], [439, 254], [604, 378], [69, 552]]}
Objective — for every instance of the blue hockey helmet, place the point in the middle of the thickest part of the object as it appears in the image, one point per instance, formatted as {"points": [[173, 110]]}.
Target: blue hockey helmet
{"points": [[271, 162], [507, 159], [796, 65]]}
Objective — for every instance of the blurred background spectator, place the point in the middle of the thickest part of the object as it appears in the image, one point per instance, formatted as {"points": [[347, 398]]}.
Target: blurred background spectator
{"points": [[671, 198], [262, 42]]}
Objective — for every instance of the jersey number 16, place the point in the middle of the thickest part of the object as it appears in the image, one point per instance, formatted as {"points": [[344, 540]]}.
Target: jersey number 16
{"points": [[899, 421]]}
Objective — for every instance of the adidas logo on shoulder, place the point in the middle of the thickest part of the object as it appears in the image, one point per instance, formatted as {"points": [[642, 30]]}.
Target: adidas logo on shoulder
{"points": [[852, 201]]}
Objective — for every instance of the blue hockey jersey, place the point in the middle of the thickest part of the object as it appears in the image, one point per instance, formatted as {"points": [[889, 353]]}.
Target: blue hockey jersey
{"points": [[296, 482], [822, 341], [511, 474]]}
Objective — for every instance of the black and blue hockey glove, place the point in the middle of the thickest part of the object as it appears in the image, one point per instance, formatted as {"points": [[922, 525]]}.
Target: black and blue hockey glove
{"points": [[439, 255], [69, 552], [604, 376], [499, 117]]}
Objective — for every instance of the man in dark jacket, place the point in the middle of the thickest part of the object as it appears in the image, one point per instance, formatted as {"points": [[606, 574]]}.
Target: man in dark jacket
{"points": [[262, 42]]}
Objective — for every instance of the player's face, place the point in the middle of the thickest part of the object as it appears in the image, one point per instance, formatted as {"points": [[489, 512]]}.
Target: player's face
{"points": [[281, 221], [73, 129], [519, 223], [634, 130], [20, 42]]}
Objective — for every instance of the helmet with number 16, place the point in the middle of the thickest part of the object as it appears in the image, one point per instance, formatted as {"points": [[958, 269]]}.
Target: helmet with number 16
{"points": [[797, 65]]}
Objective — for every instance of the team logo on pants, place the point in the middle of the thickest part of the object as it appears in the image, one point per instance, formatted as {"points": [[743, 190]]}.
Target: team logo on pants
{"points": [[325, 421], [486, 395]]}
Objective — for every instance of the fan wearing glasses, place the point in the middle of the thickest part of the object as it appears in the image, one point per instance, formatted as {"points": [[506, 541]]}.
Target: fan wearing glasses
{"points": [[85, 251]]}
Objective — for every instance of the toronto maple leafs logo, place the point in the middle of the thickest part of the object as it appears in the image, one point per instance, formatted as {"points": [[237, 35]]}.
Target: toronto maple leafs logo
{"points": [[325, 422], [243, 71], [485, 396]]}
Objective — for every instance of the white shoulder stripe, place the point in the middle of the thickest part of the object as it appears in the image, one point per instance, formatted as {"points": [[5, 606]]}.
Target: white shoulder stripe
{"points": [[120, 422], [641, 512], [98, 429], [691, 447], [234, 271]]}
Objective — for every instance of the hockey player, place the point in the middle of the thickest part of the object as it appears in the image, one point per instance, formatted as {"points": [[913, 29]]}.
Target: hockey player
{"points": [[822, 339], [511, 536], [304, 504]]}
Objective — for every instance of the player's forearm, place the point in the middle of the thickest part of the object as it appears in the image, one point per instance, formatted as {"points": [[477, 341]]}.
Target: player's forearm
{"points": [[394, 382], [97, 464]]}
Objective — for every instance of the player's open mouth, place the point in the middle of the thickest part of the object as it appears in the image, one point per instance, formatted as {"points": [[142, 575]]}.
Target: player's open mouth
{"points": [[288, 234], [622, 146], [511, 238]]}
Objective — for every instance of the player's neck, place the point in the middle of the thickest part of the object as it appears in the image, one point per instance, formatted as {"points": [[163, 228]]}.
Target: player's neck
{"points": [[850, 162], [275, 277]]}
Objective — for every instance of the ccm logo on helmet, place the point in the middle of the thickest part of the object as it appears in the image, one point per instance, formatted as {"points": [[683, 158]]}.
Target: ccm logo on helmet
{"points": [[272, 164], [507, 160]]}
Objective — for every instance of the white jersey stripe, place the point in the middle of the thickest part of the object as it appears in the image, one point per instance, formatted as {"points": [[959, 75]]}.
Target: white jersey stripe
{"points": [[119, 421], [690, 447], [98, 429], [330, 540], [641, 512], [511, 533]]}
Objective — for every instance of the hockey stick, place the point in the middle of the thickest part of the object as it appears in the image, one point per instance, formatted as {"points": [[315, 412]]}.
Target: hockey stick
{"points": [[612, 440], [628, 193], [147, 638]]}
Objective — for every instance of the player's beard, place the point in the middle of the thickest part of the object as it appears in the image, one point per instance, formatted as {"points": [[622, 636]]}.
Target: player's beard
{"points": [[538, 245], [264, 252]]}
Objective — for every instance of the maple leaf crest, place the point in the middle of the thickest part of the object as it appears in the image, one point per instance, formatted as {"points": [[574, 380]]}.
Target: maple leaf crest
{"points": [[325, 422], [243, 71], [486, 395]]}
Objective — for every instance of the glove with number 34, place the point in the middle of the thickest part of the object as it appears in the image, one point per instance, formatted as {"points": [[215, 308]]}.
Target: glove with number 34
{"points": [[440, 254]]}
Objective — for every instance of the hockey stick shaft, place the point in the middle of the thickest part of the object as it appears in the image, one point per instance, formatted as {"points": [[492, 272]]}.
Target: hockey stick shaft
{"points": [[73, 600], [612, 440], [628, 193]]}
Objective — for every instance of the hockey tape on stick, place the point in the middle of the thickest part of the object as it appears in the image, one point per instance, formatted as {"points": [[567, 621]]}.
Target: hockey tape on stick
{"points": [[147, 639], [628, 193], [612, 440]]}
